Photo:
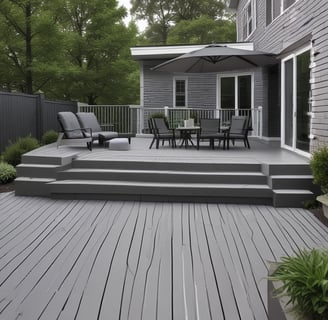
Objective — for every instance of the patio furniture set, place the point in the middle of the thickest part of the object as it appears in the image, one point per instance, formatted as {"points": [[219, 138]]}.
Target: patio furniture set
{"points": [[208, 129], [84, 127]]}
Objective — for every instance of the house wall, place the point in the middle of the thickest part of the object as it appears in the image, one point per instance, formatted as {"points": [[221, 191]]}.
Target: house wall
{"points": [[304, 19], [202, 89]]}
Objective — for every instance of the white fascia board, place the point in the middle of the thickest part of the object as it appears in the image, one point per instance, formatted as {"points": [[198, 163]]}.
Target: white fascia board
{"points": [[162, 52]]}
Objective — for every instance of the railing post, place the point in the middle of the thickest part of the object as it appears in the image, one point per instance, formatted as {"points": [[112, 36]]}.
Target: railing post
{"points": [[141, 122], [260, 121]]}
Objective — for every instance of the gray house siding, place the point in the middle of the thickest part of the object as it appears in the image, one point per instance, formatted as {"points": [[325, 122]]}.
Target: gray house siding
{"points": [[303, 20], [202, 91]]}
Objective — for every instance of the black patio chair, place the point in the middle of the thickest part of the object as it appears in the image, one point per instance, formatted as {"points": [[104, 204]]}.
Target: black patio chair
{"points": [[89, 120], [72, 133], [210, 130], [239, 128], [152, 130], [162, 132]]}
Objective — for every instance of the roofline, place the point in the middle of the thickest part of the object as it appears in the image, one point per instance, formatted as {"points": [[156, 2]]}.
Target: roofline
{"points": [[172, 51]]}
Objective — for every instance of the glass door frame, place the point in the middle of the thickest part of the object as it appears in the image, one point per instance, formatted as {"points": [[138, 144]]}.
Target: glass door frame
{"points": [[292, 56]]}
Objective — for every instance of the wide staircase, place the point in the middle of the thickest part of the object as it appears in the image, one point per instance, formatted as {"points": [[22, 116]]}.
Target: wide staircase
{"points": [[69, 177]]}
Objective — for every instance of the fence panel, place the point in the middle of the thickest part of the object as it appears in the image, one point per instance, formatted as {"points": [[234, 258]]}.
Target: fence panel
{"points": [[23, 114], [17, 117], [49, 113]]}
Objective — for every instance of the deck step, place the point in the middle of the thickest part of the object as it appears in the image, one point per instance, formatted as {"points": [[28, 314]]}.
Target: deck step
{"points": [[291, 182], [167, 166], [32, 186], [131, 190], [292, 197], [39, 170], [164, 176]]}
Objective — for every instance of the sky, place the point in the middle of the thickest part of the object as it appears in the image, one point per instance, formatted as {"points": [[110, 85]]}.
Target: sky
{"points": [[126, 3]]}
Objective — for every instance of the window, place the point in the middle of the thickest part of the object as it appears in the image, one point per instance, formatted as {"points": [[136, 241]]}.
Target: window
{"points": [[275, 7], [236, 91], [249, 22], [180, 92]]}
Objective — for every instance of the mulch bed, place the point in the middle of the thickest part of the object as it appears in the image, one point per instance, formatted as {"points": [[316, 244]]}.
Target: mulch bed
{"points": [[7, 187]]}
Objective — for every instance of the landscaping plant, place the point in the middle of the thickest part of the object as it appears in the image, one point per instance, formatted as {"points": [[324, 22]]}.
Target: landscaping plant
{"points": [[304, 279], [49, 137], [14, 152], [319, 167], [7, 172]]}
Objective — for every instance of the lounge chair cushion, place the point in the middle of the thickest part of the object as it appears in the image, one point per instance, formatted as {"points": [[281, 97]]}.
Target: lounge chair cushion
{"points": [[107, 135], [72, 126], [88, 120]]}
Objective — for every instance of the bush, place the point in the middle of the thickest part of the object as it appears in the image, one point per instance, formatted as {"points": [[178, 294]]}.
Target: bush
{"points": [[304, 280], [319, 167], [14, 152], [49, 137], [7, 172]]}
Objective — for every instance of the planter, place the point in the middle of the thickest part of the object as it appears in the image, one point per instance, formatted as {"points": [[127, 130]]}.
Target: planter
{"points": [[323, 199], [277, 307]]}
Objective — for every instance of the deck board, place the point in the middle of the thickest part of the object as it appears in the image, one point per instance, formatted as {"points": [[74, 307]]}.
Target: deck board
{"points": [[70, 259]]}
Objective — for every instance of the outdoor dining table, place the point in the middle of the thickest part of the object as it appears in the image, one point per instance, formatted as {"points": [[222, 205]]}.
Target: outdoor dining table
{"points": [[185, 133]]}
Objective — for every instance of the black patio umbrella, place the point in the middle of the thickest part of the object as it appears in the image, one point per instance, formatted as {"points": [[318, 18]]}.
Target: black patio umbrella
{"points": [[216, 58]]}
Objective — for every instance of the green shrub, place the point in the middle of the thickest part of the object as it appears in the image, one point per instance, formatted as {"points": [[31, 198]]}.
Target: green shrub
{"points": [[14, 152], [319, 167], [7, 172], [304, 280], [49, 137]]}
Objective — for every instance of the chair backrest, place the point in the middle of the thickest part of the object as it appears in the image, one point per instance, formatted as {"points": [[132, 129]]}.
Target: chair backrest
{"points": [[210, 125], [238, 125], [151, 126], [68, 122], [160, 125], [88, 120]]}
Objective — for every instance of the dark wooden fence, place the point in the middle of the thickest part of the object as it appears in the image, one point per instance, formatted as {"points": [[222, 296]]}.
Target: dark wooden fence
{"points": [[22, 114]]}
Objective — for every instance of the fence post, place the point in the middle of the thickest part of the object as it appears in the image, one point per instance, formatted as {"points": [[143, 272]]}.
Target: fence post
{"points": [[40, 105]]}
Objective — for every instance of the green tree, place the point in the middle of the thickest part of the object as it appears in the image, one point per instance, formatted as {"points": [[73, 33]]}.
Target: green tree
{"points": [[165, 16], [97, 46], [30, 44], [202, 30]]}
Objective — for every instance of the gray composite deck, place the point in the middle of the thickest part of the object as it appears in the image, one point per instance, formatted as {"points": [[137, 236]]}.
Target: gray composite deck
{"points": [[94, 259], [264, 174]]}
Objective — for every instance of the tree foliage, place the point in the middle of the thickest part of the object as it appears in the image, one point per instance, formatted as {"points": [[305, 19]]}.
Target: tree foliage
{"points": [[30, 44], [76, 49], [184, 21]]}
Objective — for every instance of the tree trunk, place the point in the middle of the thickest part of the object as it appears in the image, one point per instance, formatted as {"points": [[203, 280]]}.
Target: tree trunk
{"points": [[28, 43]]}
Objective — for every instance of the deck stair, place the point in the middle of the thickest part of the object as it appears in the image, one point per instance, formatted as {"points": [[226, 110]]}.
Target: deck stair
{"points": [[247, 182]]}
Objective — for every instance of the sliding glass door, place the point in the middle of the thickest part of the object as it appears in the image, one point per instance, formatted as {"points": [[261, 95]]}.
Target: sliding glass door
{"points": [[295, 101]]}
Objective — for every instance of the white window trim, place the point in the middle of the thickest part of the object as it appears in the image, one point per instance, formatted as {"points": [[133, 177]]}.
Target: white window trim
{"points": [[235, 75], [174, 90], [251, 3], [283, 106]]}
